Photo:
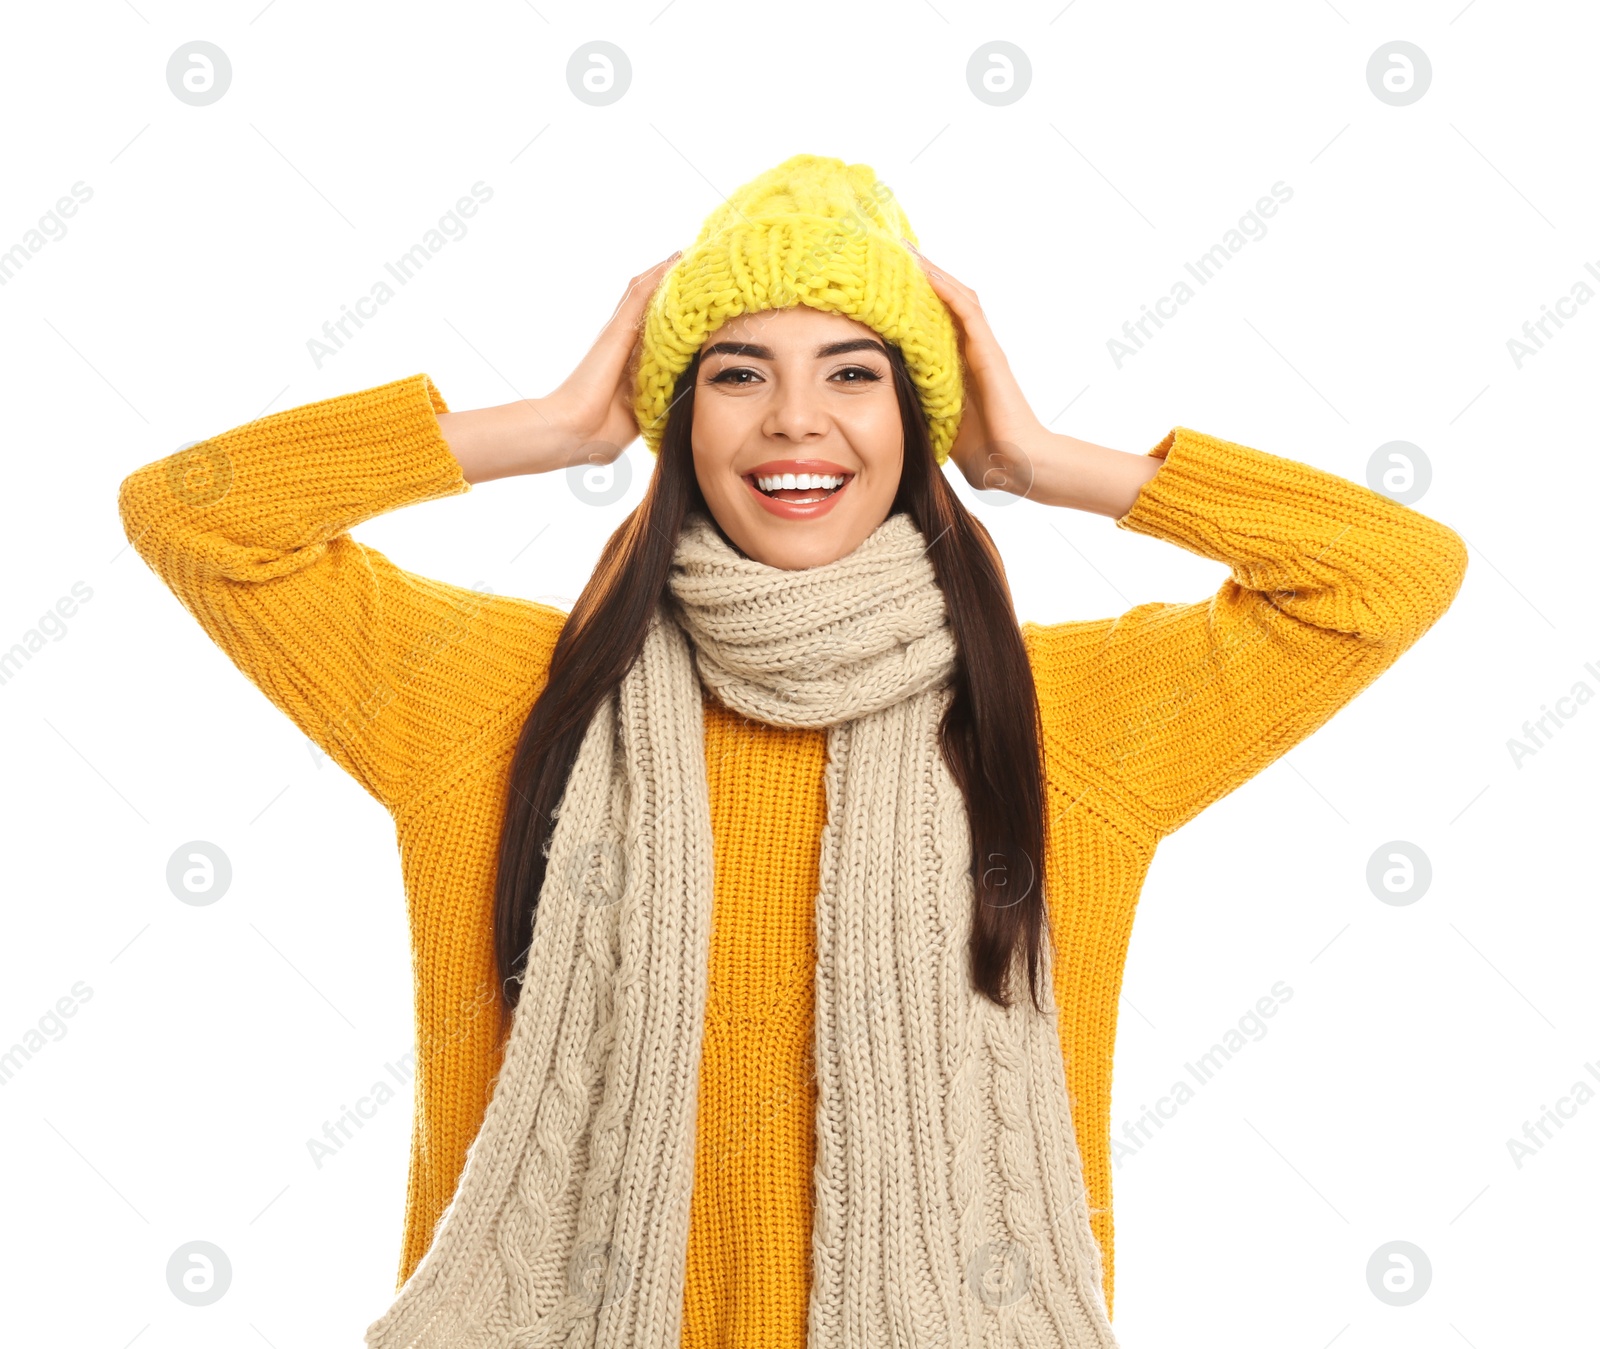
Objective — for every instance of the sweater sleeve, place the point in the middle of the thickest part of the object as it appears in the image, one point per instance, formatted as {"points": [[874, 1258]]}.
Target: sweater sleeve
{"points": [[383, 669], [1171, 706]]}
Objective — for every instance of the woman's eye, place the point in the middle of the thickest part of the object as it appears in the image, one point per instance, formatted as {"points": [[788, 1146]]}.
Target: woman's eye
{"points": [[735, 375]]}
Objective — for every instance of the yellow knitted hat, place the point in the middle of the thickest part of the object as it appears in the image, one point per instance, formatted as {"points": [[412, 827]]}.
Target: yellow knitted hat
{"points": [[813, 231]]}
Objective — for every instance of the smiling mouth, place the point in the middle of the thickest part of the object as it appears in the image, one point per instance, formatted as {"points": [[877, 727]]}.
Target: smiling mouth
{"points": [[799, 487]]}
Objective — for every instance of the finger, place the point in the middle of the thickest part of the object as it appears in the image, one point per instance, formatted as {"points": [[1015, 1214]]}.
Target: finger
{"points": [[978, 341], [621, 329], [979, 344], [640, 288], [607, 365], [959, 297]]}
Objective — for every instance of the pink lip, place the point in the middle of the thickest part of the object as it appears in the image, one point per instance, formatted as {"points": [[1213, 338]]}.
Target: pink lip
{"points": [[826, 466], [798, 510]]}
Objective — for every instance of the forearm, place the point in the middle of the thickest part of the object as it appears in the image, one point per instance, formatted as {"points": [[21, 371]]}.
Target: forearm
{"points": [[250, 530], [257, 501], [1330, 582], [506, 440], [1065, 471]]}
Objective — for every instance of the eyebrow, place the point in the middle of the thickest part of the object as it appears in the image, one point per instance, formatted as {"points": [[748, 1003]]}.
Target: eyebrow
{"points": [[764, 353]]}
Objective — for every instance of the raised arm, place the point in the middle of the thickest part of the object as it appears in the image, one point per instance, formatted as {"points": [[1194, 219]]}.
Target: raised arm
{"points": [[1171, 706], [383, 669]]}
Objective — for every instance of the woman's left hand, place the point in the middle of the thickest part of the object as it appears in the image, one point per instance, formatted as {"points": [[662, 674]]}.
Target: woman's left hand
{"points": [[999, 433], [1000, 445]]}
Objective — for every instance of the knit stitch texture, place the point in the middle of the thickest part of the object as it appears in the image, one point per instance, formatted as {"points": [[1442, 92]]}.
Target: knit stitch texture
{"points": [[418, 689], [814, 231], [951, 1207]]}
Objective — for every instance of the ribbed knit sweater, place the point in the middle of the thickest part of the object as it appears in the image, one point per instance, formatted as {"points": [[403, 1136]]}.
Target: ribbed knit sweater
{"points": [[418, 689]]}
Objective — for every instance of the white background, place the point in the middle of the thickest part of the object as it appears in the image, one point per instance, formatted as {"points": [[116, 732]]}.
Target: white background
{"points": [[218, 239]]}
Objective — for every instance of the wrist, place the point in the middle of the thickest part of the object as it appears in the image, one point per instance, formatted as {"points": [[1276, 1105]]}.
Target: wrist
{"points": [[542, 436], [503, 441], [1084, 476]]}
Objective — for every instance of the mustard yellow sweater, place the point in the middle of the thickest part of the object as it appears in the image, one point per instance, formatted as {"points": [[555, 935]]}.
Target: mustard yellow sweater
{"points": [[418, 689]]}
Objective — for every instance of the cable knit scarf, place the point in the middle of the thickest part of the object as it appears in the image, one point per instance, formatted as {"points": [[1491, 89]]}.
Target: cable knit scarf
{"points": [[950, 1207]]}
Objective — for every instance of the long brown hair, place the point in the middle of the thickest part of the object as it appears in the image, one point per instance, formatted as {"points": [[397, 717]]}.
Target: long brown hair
{"points": [[989, 735]]}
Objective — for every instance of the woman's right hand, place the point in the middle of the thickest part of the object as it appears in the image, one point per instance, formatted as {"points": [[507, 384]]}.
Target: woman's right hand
{"points": [[593, 406], [587, 419]]}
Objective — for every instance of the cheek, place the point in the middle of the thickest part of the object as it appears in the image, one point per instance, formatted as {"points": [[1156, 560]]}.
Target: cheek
{"points": [[886, 469], [716, 438], [877, 436]]}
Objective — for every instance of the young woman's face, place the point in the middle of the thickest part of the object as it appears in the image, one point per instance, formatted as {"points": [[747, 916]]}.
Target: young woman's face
{"points": [[796, 394]]}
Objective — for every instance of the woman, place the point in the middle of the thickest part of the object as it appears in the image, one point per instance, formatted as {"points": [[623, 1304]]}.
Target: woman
{"points": [[769, 911]]}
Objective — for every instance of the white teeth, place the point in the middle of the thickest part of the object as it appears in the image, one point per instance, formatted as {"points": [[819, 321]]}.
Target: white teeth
{"points": [[803, 482]]}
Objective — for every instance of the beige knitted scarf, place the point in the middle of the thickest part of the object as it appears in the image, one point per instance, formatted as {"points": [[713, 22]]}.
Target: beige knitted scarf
{"points": [[949, 1201]]}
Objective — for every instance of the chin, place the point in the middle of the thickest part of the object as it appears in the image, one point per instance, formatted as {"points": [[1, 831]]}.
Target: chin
{"points": [[797, 544]]}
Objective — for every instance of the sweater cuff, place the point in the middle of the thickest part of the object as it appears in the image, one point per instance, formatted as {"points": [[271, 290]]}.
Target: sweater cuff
{"points": [[1205, 480], [368, 452], [300, 477], [297, 478]]}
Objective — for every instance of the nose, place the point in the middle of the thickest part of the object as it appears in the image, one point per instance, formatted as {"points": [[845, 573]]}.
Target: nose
{"points": [[795, 413]]}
